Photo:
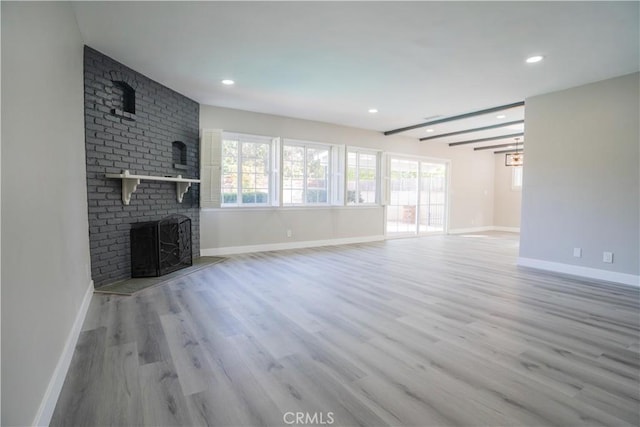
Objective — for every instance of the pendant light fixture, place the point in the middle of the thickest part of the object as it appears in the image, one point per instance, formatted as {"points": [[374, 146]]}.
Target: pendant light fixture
{"points": [[514, 159]]}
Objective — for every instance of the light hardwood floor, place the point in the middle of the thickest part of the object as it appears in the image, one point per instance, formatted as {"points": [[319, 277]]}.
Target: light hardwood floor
{"points": [[434, 331]]}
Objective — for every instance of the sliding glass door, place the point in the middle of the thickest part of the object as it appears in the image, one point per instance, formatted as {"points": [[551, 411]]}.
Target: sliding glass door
{"points": [[403, 196], [416, 197], [432, 197]]}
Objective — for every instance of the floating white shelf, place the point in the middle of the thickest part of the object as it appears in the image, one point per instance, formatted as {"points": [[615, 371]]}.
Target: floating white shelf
{"points": [[130, 183]]}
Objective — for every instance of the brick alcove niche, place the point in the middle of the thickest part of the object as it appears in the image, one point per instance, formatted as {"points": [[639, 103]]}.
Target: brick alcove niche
{"points": [[179, 150], [133, 123], [123, 95]]}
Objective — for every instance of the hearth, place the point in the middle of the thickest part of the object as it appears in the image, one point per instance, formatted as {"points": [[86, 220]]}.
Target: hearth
{"points": [[160, 247]]}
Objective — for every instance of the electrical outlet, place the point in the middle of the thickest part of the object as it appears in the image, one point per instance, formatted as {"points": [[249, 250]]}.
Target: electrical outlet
{"points": [[577, 252], [607, 257], [289, 233]]}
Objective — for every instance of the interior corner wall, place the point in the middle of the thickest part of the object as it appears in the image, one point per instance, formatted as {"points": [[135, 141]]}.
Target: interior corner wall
{"points": [[45, 246], [507, 201], [582, 179], [471, 187]]}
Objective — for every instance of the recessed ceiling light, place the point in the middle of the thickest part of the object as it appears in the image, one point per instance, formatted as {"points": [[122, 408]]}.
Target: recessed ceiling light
{"points": [[373, 110], [534, 59], [501, 116], [228, 82], [429, 130]]}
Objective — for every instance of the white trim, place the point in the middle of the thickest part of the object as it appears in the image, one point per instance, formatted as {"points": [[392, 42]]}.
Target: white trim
{"points": [[514, 169], [470, 230], [51, 395], [447, 195], [576, 270], [316, 207], [483, 229], [507, 229], [232, 250]]}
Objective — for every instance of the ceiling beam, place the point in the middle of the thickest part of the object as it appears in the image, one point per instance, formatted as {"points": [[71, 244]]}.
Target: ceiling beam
{"points": [[501, 125], [493, 138], [453, 118], [488, 147]]}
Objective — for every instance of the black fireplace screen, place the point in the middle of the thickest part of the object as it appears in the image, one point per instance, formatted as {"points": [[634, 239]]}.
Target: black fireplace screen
{"points": [[160, 247]]}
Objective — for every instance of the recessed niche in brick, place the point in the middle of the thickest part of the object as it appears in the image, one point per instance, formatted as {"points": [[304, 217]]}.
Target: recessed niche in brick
{"points": [[123, 100], [123, 95], [179, 155]]}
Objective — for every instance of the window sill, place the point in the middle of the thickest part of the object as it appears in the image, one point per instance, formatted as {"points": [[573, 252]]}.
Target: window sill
{"points": [[288, 208]]}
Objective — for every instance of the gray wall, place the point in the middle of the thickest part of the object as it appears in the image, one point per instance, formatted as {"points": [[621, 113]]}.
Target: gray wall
{"points": [[230, 228], [142, 146], [45, 256], [581, 179], [507, 201], [472, 187]]}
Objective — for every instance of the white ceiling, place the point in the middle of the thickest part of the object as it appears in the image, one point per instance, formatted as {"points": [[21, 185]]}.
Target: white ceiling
{"points": [[332, 61]]}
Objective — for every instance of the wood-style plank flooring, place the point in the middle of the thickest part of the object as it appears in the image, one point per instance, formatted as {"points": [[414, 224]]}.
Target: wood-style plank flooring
{"points": [[433, 331]]}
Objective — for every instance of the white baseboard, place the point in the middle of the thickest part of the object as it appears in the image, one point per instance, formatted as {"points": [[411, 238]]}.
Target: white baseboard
{"points": [[507, 229], [483, 229], [576, 270], [51, 395], [232, 250], [470, 230]]}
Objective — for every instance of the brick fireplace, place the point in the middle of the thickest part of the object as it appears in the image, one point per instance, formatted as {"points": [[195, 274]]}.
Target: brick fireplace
{"points": [[135, 124]]}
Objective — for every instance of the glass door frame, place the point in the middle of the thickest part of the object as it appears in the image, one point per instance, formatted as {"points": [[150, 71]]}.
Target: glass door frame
{"points": [[386, 193]]}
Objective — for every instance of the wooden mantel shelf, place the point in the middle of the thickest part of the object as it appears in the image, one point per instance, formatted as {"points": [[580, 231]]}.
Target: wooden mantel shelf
{"points": [[130, 183]]}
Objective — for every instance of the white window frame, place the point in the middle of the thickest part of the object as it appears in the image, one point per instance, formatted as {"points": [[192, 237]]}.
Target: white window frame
{"points": [[272, 168], [335, 172], [516, 178], [358, 151]]}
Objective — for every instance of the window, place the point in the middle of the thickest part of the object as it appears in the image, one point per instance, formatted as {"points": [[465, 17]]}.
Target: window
{"points": [[362, 177], [306, 173], [516, 178], [246, 170]]}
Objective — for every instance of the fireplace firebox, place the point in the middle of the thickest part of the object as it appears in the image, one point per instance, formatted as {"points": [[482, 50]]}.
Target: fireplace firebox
{"points": [[160, 247]]}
